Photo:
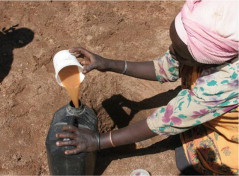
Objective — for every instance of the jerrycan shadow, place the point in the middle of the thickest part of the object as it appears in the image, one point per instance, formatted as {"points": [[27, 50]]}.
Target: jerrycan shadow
{"points": [[77, 164]]}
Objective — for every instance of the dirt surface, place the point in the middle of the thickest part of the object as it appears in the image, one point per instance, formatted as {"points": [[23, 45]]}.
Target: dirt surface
{"points": [[29, 94]]}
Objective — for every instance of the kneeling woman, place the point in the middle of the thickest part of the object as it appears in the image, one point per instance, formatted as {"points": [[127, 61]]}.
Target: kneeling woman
{"points": [[204, 53]]}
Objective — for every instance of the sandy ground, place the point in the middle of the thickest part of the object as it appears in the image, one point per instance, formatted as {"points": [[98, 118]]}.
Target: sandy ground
{"points": [[29, 94]]}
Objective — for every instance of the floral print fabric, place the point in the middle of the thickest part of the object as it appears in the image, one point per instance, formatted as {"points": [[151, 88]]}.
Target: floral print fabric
{"points": [[210, 99], [215, 92]]}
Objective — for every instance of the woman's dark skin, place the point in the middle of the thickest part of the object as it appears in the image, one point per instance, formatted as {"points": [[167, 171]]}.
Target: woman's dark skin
{"points": [[86, 141]]}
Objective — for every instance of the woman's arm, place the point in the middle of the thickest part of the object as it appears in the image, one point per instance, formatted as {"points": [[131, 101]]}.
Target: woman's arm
{"points": [[85, 140], [142, 70], [136, 132], [90, 61]]}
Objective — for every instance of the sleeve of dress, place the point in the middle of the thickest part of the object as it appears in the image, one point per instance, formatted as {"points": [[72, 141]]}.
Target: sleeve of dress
{"points": [[215, 93], [166, 68]]}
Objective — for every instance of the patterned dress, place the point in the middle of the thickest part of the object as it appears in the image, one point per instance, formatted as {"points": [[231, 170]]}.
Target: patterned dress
{"points": [[204, 113]]}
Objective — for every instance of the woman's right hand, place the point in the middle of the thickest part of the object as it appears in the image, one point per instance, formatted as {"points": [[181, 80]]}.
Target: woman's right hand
{"points": [[84, 139], [89, 60]]}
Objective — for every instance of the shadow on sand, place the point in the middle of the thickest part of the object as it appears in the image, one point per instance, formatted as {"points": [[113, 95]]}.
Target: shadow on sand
{"points": [[9, 40], [114, 107]]}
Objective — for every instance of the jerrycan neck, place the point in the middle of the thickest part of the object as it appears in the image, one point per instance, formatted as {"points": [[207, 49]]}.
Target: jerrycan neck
{"points": [[72, 111]]}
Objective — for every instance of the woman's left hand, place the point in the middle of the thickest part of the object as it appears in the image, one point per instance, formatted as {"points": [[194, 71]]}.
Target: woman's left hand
{"points": [[85, 140]]}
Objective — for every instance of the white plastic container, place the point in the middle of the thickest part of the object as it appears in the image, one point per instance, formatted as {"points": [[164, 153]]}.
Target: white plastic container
{"points": [[139, 172], [64, 59]]}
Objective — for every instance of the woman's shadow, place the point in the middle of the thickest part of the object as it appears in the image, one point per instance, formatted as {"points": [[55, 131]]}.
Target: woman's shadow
{"points": [[114, 106], [10, 39]]}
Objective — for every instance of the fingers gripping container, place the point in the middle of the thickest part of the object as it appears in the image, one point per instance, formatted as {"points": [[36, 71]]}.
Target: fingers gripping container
{"points": [[77, 164]]}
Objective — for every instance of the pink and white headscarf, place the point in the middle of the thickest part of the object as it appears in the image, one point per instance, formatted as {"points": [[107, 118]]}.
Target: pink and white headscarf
{"points": [[210, 29]]}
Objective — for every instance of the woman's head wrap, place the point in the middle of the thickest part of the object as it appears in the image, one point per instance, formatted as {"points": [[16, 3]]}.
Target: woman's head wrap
{"points": [[210, 29]]}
